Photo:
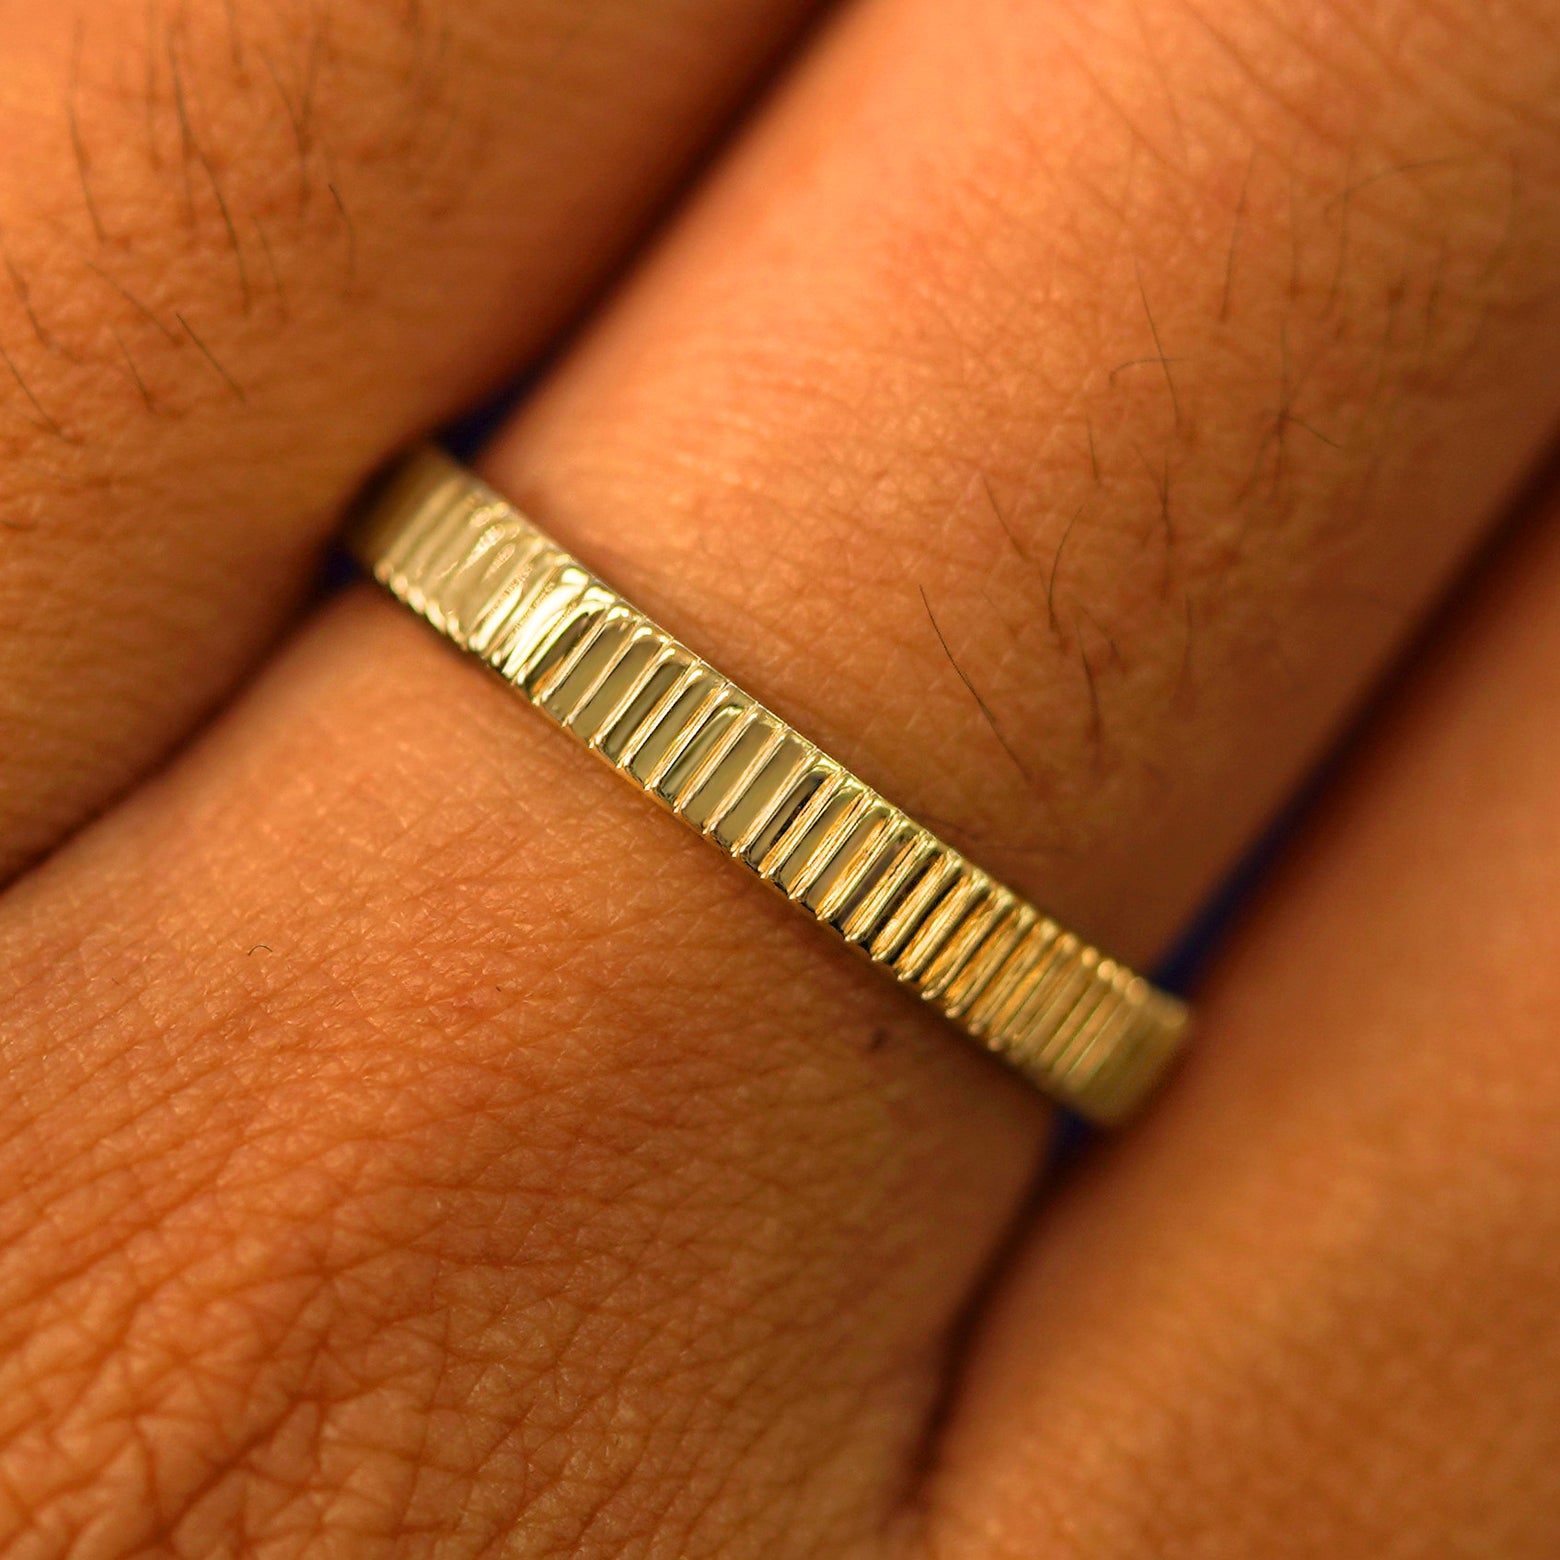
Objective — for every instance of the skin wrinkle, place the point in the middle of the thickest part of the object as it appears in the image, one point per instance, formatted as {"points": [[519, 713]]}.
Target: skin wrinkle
{"points": [[567, 1178], [134, 1434]]}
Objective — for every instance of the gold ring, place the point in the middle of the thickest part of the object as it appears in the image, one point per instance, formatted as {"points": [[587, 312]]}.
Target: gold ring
{"points": [[1084, 1028]]}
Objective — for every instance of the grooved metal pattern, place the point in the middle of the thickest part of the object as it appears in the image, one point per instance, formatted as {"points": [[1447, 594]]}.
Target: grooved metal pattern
{"points": [[1084, 1028]]}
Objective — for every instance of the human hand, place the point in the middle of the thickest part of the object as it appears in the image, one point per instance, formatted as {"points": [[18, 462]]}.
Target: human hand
{"points": [[411, 1144]]}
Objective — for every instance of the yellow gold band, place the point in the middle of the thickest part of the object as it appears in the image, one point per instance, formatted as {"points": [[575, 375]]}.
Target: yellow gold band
{"points": [[1082, 1027]]}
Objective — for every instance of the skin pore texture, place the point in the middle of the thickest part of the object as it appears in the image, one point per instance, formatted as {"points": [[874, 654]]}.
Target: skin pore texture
{"points": [[411, 1144]]}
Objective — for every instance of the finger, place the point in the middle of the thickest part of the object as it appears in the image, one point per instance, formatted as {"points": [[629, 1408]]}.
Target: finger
{"points": [[1142, 375], [1311, 1309], [589, 1107], [245, 249], [485, 1197]]}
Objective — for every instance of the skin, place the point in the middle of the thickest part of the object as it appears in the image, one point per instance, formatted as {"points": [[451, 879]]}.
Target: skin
{"points": [[412, 1144], [250, 248]]}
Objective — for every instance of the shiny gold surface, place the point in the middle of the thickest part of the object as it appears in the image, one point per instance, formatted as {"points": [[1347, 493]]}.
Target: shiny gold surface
{"points": [[1084, 1028]]}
